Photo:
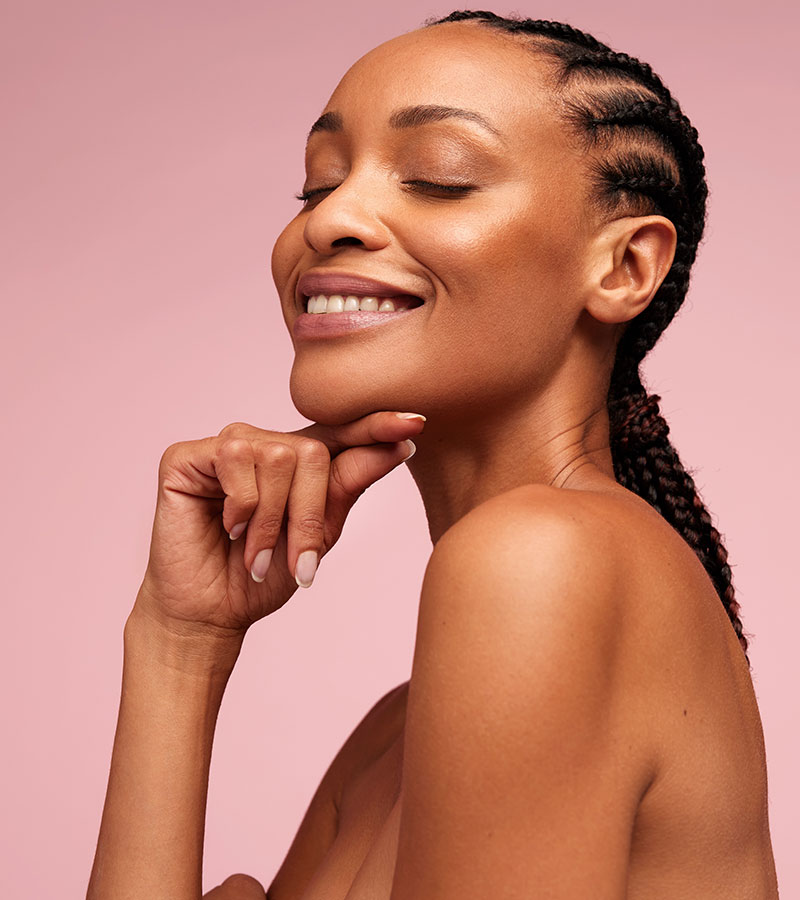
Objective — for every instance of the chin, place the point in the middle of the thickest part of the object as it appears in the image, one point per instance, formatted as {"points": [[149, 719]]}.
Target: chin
{"points": [[328, 404], [337, 401]]}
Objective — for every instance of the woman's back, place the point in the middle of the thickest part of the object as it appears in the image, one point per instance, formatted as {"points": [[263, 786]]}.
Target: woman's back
{"points": [[701, 828], [683, 708]]}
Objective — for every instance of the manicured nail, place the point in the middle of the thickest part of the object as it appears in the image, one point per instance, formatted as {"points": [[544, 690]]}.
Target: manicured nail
{"points": [[237, 530], [306, 568], [412, 449], [258, 570], [411, 416]]}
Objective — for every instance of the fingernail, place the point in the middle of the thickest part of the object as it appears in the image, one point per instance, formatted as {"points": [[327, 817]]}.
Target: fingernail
{"points": [[411, 416], [412, 449], [237, 530], [306, 568], [258, 570]]}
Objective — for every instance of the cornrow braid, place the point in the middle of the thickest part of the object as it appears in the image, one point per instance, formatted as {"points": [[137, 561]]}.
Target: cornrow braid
{"points": [[604, 60], [644, 158], [557, 30]]}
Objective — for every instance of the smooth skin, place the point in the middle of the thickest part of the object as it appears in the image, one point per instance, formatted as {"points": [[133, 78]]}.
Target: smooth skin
{"points": [[580, 720]]}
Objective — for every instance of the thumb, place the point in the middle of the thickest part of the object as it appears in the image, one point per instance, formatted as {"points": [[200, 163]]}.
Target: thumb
{"points": [[352, 472], [374, 428]]}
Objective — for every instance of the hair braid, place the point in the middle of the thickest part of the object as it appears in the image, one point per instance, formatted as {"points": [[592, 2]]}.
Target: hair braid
{"points": [[625, 65], [645, 157]]}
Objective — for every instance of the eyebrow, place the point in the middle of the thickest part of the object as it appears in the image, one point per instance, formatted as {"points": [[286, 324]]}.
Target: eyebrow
{"points": [[410, 117], [329, 121], [414, 116]]}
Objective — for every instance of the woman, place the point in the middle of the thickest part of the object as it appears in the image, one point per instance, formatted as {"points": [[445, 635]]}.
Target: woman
{"points": [[498, 222]]}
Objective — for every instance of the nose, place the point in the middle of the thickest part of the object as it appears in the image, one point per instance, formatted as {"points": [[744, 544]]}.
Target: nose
{"points": [[348, 216]]}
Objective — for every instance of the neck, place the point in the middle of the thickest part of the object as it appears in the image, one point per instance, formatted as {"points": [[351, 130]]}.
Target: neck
{"points": [[460, 464]]}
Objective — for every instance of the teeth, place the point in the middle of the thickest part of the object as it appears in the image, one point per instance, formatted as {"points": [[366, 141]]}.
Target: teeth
{"points": [[337, 303]]}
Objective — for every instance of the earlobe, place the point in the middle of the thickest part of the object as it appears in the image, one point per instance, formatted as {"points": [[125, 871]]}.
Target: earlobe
{"points": [[631, 259]]}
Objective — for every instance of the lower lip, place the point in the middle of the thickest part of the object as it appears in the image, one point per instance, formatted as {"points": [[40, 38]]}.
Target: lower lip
{"points": [[308, 326]]}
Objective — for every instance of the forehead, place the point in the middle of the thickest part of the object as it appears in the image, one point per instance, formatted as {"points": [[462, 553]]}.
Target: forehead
{"points": [[462, 65]]}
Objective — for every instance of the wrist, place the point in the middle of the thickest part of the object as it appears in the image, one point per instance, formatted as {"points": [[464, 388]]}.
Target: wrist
{"points": [[192, 648]]}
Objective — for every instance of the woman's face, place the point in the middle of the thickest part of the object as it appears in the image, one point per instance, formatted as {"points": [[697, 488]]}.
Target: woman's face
{"points": [[497, 254]]}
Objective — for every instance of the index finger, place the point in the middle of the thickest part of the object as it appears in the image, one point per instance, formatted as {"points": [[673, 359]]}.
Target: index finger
{"points": [[374, 428]]}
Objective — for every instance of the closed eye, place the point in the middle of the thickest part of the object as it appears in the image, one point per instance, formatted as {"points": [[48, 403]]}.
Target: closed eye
{"points": [[305, 196], [431, 186], [457, 190]]}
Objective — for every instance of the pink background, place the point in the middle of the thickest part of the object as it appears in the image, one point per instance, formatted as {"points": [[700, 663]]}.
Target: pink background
{"points": [[150, 154]]}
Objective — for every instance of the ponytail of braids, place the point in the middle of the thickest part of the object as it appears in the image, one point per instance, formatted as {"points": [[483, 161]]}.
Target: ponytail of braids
{"points": [[645, 159]]}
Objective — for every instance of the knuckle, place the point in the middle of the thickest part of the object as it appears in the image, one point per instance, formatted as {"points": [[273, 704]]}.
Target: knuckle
{"points": [[268, 524], [275, 454], [241, 885], [234, 429], [353, 476], [337, 479], [172, 453], [312, 451], [168, 455], [234, 449], [310, 523], [244, 502]]}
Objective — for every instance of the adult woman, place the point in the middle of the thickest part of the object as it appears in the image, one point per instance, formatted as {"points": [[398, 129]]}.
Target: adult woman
{"points": [[579, 719]]}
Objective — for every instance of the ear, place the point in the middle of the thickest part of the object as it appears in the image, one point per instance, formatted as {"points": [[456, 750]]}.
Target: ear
{"points": [[630, 257]]}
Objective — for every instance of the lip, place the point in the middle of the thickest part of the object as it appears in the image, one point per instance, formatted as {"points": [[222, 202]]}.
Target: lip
{"points": [[328, 283], [311, 326]]}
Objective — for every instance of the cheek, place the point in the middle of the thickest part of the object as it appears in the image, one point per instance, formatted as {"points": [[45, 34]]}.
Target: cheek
{"points": [[522, 254], [510, 284], [286, 253]]}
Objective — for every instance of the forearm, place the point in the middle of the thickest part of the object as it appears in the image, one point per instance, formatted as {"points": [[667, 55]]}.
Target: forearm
{"points": [[151, 834]]}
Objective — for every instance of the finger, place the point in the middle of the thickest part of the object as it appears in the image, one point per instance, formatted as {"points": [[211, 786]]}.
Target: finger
{"points": [[275, 464], [234, 465], [306, 507], [378, 427], [352, 472], [188, 468]]}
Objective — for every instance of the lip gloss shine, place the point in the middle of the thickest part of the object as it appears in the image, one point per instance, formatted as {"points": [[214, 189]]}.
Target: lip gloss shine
{"points": [[308, 326]]}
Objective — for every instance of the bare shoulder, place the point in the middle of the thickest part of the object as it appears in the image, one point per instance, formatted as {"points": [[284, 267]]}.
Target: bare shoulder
{"points": [[533, 592], [542, 572], [645, 578], [600, 516], [518, 724], [549, 514], [575, 682], [595, 576], [543, 543]]}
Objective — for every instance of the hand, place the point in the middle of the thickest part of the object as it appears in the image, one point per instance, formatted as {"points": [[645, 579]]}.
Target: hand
{"points": [[241, 515]]}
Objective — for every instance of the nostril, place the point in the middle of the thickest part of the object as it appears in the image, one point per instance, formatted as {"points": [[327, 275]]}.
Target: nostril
{"points": [[347, 242]]}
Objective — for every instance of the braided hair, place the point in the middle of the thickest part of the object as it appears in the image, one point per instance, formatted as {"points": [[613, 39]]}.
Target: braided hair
{"points": [[645, 159]]}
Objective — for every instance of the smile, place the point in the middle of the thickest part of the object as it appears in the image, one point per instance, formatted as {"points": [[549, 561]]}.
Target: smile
{"points": [[338, 303], [331, 317]]}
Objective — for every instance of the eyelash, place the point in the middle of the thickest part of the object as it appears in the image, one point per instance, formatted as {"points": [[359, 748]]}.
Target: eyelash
{"points": [[454, 189]]}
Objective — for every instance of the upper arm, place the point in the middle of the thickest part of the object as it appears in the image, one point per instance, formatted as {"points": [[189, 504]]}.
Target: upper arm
{"points": [[512, 767], [319, 825]]}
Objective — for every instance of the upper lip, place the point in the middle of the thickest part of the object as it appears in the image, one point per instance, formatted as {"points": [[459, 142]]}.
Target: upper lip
{"points": [[312, 283]]}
